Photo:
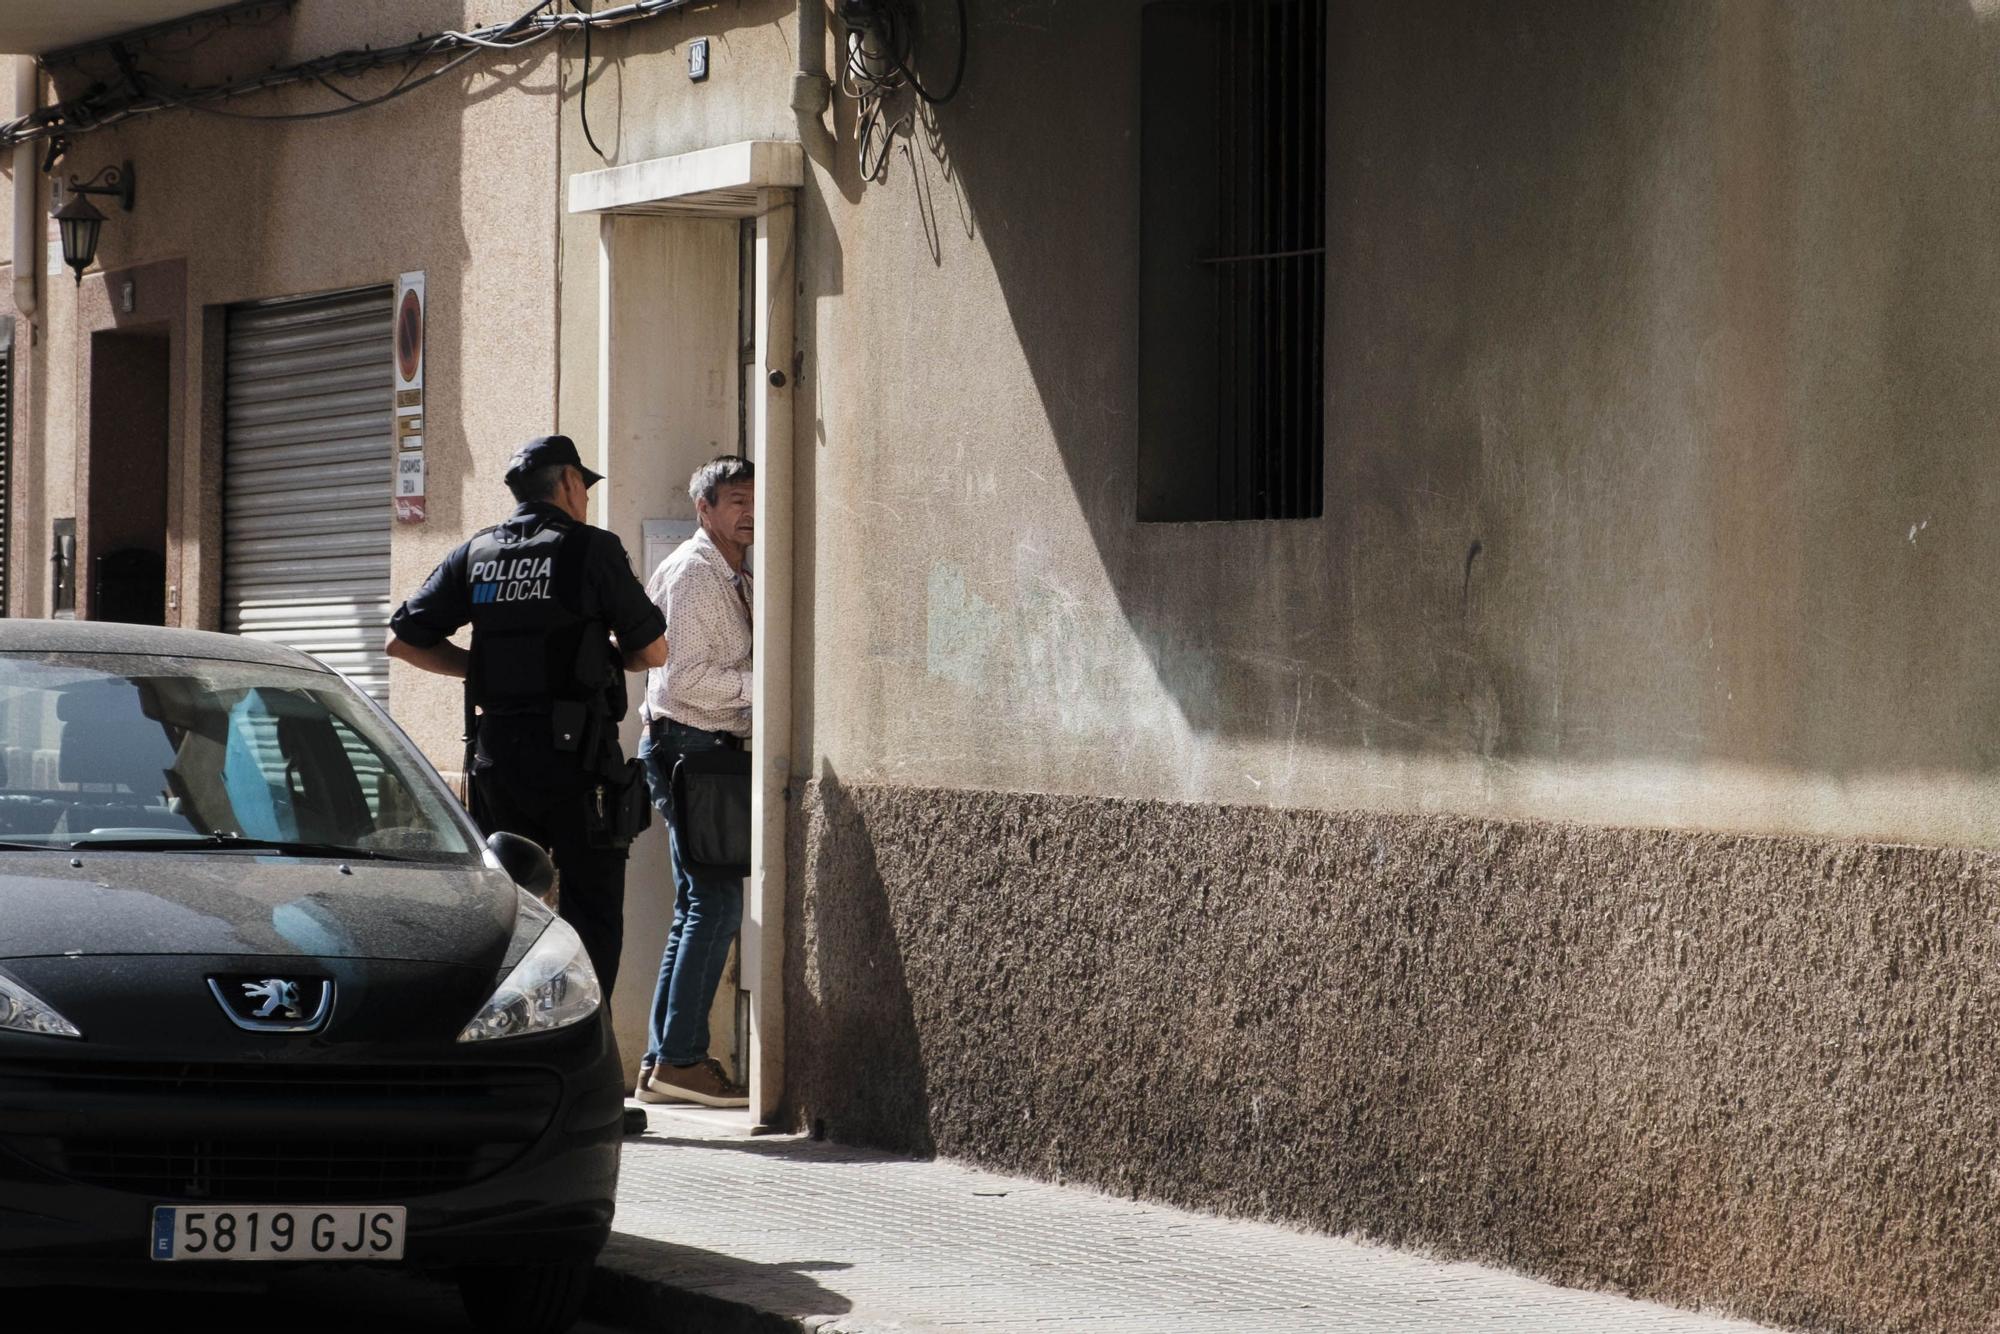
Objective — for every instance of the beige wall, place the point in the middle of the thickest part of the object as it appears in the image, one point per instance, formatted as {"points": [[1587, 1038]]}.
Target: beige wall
{"points": [[1673, 313], [1708, 412], [7, 73], [456, 179], [641, 105], [1604, 306]]}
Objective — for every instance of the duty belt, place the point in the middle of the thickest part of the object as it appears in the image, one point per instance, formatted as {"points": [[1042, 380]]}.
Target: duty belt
{"points": [[658, 728]]}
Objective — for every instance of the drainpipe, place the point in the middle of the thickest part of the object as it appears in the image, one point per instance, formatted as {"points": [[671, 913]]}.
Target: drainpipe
{"points": [[28, 243], [771, 688], [810, 90], [763, 947]]}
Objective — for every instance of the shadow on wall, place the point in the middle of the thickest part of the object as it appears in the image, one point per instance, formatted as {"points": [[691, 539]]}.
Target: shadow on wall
{"points": [[861, 1077], [893, 138], [1655, 427]]}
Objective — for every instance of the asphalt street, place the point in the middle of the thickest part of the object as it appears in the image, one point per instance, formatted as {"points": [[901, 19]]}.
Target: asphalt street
{"points": [[339, 1301]]}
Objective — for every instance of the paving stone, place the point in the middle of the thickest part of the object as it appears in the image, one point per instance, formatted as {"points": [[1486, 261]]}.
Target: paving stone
{"points": [[784, 1233]]}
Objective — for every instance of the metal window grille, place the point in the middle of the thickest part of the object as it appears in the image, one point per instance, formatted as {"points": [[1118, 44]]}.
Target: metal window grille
{"points": [[1233, 259]]}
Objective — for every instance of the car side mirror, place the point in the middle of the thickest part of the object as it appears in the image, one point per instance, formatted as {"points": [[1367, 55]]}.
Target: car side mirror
{"points": [[524, 860]]}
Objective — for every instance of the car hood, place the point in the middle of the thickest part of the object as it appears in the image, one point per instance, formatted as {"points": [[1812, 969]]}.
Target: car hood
{"points": [[236, 903]]}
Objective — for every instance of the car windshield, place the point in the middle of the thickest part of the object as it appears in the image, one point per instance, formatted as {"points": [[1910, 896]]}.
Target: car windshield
{"points": [[162, 751]]}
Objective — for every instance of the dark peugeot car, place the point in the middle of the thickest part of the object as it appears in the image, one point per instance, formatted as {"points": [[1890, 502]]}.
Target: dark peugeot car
{"points": [[264, 994]]}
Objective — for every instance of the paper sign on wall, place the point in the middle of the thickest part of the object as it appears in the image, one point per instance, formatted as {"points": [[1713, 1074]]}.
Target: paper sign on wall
{"points": [[410, 398], [661, 537]]}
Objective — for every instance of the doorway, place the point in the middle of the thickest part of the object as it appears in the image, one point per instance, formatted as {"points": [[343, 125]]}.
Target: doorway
{"points": [[695, 359], [124, 567], [672, 402]]}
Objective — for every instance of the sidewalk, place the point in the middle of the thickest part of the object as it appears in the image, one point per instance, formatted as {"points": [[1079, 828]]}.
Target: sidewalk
{"points": [[730, 1232]]}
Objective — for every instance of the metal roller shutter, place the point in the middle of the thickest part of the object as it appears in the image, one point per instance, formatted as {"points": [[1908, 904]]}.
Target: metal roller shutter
{"points": [[307, 478]]}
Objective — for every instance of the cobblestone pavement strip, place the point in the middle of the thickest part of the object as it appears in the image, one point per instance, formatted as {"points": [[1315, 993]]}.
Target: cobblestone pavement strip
{"points": [[727, 1231]]}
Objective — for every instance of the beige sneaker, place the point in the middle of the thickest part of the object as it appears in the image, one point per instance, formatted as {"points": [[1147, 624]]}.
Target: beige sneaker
{"points": [[702, 1082]]}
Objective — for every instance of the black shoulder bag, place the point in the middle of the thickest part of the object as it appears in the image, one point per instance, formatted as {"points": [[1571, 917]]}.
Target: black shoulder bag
{"points": [[711, 796]]}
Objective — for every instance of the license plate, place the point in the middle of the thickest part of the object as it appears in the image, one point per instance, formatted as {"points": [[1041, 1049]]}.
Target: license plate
{"points": [[278, 1232]]}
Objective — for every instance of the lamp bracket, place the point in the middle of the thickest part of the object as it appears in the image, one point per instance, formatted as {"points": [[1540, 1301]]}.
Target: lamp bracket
{"points": [[117, 182]]}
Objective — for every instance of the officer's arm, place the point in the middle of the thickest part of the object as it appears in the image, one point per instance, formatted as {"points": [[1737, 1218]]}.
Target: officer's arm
{"points": [[637, 625], [652, 655], [445, 658], [420, 630]]}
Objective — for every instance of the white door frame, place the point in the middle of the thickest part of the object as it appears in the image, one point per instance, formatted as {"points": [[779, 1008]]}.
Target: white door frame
{"points": [[756, 179]]}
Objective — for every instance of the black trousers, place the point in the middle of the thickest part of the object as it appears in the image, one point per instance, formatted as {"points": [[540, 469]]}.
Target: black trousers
{"points": [[552, 813]]}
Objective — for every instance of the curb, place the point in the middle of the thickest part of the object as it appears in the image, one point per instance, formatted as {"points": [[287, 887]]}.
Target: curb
{"points": [[628, 1289]]}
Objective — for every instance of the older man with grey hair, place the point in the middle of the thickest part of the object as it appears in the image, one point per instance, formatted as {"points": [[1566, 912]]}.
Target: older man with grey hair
{"points": [[699, 700]]}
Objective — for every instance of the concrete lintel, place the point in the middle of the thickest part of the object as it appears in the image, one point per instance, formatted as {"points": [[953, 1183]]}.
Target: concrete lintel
{"points": [[719, 182]]}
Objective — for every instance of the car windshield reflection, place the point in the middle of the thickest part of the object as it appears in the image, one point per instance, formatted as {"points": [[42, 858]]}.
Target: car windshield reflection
{"points": [[167, 754]]}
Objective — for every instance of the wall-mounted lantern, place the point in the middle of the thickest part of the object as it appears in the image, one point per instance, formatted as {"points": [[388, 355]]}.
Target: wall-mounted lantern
{"points": [[78, 219]]}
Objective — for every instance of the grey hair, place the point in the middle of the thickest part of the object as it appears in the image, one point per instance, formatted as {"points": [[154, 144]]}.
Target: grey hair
{"points": [[539, 484], [717, 472]]}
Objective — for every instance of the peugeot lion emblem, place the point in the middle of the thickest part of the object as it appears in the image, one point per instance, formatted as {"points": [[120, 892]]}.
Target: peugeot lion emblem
{"points": [[277, 994], [274, 1004]]}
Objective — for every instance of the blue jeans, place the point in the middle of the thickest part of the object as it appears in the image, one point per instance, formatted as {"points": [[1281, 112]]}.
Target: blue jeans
{"points": [[707, 913]]}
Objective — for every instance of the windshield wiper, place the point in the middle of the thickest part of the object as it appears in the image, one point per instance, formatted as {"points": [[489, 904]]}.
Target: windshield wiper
{"points": [[9, 846], [234, 843]]}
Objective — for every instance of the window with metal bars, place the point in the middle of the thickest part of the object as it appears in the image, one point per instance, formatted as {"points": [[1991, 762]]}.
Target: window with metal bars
{"points": [[1232, 259]]}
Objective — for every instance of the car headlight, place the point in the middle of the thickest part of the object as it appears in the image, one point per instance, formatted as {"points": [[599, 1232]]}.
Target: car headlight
{"points": [[24, 1012], [552, 987]]}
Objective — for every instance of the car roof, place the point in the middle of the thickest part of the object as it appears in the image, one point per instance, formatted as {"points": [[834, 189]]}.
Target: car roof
{"points": [[36, 636]]}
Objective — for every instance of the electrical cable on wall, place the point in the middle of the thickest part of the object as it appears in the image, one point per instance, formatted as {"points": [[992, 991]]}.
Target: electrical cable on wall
{"points": [[877, 68], [583, 91], [141, 94], [901, 60]]}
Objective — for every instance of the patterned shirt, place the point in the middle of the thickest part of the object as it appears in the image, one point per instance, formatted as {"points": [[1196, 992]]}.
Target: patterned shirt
{"points": [[706, 682]]}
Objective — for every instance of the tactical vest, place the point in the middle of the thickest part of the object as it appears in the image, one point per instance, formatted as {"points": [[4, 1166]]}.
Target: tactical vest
{"points": [[529, 634]]}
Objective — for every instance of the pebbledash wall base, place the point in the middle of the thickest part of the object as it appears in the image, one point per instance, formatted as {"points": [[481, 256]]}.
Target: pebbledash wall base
{"points": [[1753, 1071]]}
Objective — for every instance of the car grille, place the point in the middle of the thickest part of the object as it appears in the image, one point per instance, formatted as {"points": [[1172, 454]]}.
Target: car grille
{"points": [[270, 1133]]}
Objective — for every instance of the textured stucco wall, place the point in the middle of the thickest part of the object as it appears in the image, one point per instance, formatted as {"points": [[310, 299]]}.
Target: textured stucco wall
{"points": [[1753, 1072]]}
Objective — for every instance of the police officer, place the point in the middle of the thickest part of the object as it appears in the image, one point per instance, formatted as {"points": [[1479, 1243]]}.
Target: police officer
{"points": [[556, 612]]}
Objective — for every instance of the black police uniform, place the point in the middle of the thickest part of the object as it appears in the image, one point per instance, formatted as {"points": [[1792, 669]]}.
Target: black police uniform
{"points": [[540, 592]]}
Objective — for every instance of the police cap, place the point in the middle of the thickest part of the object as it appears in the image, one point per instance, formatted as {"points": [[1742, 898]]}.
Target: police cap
{"points": [[545, 451]]}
